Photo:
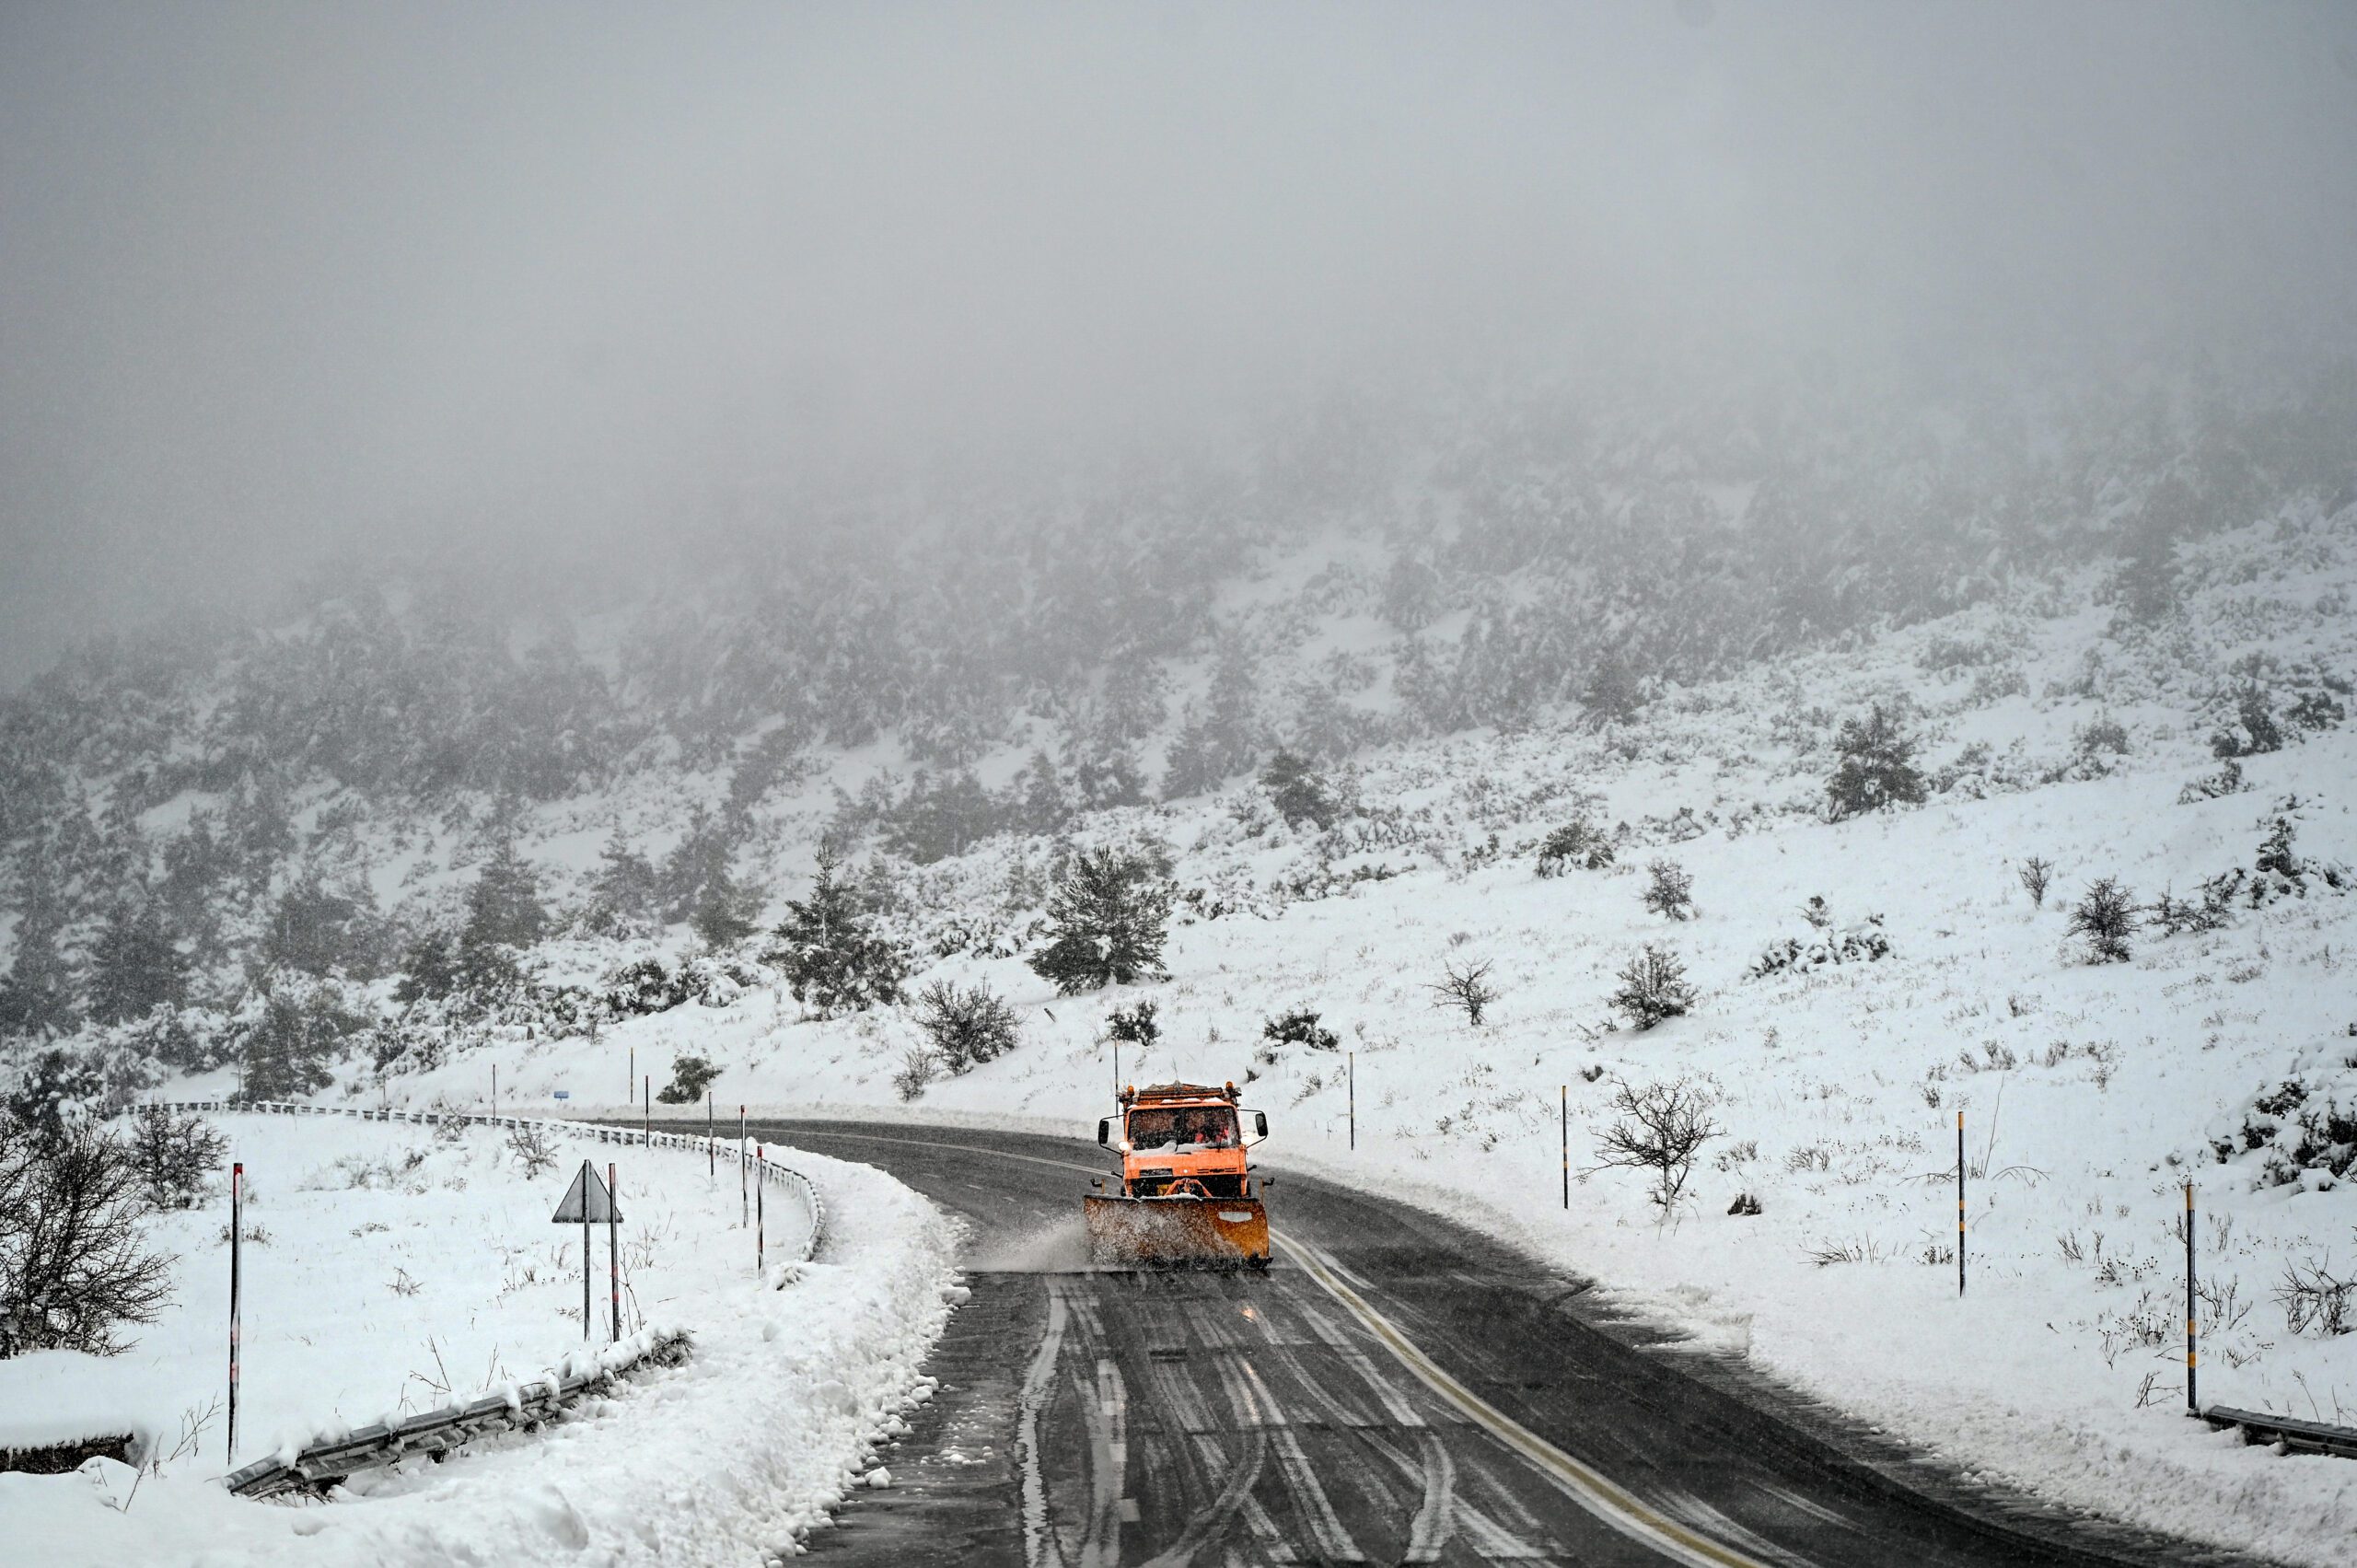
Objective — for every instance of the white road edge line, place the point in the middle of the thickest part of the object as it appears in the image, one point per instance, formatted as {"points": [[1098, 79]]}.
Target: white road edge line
{"points": [[1600, 1496]]}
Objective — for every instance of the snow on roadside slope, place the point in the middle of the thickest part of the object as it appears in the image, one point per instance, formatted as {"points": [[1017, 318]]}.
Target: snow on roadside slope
{"points": [[725, 1458]]}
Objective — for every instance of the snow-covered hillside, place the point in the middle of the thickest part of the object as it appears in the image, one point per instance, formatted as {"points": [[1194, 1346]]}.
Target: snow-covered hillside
{"points": [[2089, 1090], [2058, 723], [388, 1269]]}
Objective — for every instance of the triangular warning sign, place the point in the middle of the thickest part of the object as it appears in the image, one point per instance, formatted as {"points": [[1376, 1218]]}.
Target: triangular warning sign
{"points": [[586, 1193]]}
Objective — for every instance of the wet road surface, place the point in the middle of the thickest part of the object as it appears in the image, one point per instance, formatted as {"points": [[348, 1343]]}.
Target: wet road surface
{"points": [[1395, 1390]]}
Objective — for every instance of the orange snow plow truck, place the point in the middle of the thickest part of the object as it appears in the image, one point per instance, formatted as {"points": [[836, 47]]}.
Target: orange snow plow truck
{"points": [[1188, 1198]]}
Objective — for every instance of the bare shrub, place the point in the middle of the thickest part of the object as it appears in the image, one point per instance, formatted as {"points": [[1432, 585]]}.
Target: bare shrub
{"points": [[1652, 987], [533, 1149], [968, 1025], [2314, 1297], [1467, 986], [2106, 916], [2037, 874], [74, 1263], [1660, 1128], [918, 1069], [1671, 892]]}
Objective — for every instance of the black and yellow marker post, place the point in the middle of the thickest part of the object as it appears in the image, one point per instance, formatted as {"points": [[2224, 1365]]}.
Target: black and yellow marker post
{"points": [[1959, 1205]]}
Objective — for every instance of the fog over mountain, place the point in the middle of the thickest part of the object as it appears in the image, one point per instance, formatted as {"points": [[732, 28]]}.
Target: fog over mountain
{"points": [[557, 287]]}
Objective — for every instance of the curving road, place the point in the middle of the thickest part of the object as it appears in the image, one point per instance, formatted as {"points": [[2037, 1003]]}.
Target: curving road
{"points": [[1395, 1390]]}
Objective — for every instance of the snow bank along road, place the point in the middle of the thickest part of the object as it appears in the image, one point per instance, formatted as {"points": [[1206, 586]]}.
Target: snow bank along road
{"points": [[1396, 1389]]}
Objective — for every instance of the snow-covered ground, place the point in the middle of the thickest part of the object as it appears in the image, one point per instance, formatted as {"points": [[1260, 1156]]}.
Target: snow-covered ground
{"points": [[2089, 1091], [388, 1270]]}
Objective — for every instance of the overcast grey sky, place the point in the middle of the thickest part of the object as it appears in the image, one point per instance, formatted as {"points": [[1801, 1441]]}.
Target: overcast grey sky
{"points": [[282, 280]]}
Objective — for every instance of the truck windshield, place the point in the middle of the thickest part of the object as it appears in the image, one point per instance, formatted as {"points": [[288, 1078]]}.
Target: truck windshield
{"points": [[1179, 1131]]}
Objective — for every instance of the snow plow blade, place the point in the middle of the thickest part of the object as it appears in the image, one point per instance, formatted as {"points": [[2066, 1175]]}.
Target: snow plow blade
{"points": [[1178, 1233]]}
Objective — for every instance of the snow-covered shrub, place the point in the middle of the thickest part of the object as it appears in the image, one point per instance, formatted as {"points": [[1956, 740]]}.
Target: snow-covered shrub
{"points": [[175, 1155], [1297, 792], [640, 987], [1860, 945], [968, 1025], [1652, 988], [74, 1263], [2302, 1125], [1578, 844], [690, 1075], [1135, 1024], [2226, 781], [1671, 891], [1298, 1027], [2036, 874], [2106, 915], [1877, 766], [2254, 731]]}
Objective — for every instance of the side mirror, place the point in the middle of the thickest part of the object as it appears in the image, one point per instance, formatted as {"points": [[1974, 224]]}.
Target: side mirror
{"points": [[1261, 1122], [1104, 1130]]}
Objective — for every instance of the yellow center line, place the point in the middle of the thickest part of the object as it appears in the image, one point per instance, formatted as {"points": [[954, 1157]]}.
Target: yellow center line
{"points": [[1602, 1497]]}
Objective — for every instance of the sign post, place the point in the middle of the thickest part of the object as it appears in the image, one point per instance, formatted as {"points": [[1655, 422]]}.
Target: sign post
{"points": [[614, 1254], [744, 1204], [588, 1200], [237, 1207], [760, 1216]]}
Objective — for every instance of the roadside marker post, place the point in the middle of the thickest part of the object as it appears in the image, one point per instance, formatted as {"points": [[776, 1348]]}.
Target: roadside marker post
{"points": [[760, 1214], [613, 1250], [2192, 1405], [1351, 1067], [1566, 1126], [495, 1091], [710, 1148], [631, 1074], [744, 1215], [646, 1115], [237, 1227], [1960, 1205]]}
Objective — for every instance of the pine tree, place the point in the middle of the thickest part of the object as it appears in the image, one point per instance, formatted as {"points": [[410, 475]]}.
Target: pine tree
{"points": [[625, 880], [37, 998], [1297, 793], [429, 971], [1038, 802], [134, 965], [724, 912], [833, 957], [503, 905], [318, 930], [285, 1051], [1105, 921], [1877, 766]]}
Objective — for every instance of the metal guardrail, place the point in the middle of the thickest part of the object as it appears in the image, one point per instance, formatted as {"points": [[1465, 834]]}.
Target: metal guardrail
{"points": [[2295, 1436], [783, 1177], [435, 1432], [530, 1403]]}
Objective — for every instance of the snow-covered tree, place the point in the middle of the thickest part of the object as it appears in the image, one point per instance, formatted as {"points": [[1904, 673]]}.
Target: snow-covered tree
{"points": [[834, 958], [1106, 924], [134, 965], [1877, 766]]}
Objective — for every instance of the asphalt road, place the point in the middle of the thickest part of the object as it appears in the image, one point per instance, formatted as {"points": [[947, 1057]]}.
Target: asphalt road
{"points": [[1394, 1389]]}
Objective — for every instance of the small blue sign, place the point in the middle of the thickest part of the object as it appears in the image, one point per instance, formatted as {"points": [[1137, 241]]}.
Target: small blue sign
{"points": [[564, 1094]]}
